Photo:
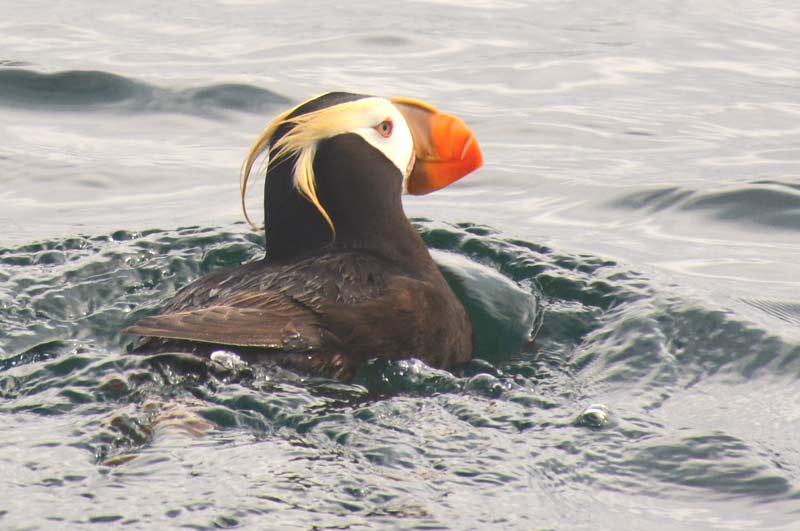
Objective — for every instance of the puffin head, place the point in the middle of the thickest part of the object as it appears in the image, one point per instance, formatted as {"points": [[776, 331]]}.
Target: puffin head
{"points": [[340, 161]]}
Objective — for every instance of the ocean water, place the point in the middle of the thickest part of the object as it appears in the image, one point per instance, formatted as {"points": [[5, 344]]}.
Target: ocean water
{"points": [[638, 213]]}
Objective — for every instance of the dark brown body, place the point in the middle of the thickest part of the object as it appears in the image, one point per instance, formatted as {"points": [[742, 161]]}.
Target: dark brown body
{"points": [[325, 314]]}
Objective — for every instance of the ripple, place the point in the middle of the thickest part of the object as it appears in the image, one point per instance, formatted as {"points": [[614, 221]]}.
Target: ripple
{"points": [[787, 311], [378, 446], [97, 281], [718, 463], [652, 200]]}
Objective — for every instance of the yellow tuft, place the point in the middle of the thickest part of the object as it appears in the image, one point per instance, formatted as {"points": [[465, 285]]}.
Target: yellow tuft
{"points": [[258, 147], [301, 140]]}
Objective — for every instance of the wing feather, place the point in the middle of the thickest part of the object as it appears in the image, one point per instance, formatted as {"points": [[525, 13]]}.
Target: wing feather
{"points": [[249, 319]]}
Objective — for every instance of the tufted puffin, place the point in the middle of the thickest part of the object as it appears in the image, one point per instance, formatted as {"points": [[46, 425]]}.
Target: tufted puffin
{"points": [[345, 277]]}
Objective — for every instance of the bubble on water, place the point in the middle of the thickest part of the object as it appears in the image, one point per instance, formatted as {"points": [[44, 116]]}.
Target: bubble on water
{"points": [[595, 416]]}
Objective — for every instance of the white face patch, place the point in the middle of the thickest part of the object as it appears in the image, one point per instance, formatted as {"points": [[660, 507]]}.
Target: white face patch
{"points": [[397, 146]]}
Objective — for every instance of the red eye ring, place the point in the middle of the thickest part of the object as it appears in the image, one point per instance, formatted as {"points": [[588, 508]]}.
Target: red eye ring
{"points": [[385, 128]]}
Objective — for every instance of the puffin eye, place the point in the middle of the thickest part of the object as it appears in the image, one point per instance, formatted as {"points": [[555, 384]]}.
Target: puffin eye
{"points": [[385, 128]]}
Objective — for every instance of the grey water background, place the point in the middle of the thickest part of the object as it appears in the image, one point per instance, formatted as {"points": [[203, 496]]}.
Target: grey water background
{"points": [[640, 196]]}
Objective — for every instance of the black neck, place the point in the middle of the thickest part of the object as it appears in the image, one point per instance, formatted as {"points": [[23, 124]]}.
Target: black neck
{"points": [[360, 190]]}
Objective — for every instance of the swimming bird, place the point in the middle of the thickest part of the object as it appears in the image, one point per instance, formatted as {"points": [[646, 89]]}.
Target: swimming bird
{"points": [[345, 276]]}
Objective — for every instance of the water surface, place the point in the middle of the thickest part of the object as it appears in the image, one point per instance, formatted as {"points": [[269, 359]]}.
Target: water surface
{"points": [[639, 207]]}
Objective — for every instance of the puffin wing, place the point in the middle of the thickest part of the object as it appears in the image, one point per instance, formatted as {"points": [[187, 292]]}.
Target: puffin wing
{"points": [[251, 319]]}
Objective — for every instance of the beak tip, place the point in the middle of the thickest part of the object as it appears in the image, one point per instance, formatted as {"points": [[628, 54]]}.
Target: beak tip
{"points": [[472, 152]]}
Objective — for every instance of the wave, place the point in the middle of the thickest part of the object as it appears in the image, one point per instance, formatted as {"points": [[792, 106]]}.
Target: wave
{"points": [[81, 90], [765, 203]]}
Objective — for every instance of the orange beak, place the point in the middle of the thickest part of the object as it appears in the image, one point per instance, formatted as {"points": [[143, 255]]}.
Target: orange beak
{"points": [[445, 149]]}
